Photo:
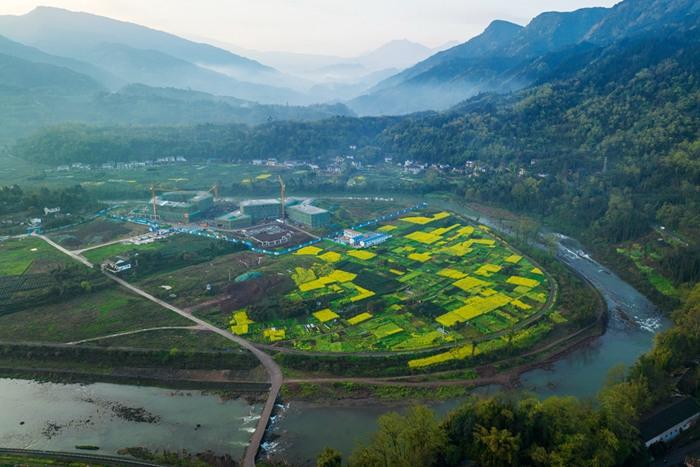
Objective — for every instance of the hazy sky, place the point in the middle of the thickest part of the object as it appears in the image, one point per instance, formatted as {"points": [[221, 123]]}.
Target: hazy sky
{"points": [[342, 27]]}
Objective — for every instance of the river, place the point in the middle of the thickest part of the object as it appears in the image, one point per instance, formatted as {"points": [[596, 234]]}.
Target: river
{"points": [[50, 416], [300, 429]]}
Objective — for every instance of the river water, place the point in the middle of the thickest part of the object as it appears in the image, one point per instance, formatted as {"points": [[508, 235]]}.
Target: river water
{"points": [[302, 430], [51, 416]]}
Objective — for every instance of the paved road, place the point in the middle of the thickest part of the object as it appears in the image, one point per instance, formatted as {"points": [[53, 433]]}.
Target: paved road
{"points": [[128, 333], [77, 457], [64, 250], [270, 366]]}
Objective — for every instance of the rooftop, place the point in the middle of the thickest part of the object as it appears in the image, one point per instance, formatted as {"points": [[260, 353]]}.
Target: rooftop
{"points": [[259, 202], [232, 215], [668, 417], [309, 209]]}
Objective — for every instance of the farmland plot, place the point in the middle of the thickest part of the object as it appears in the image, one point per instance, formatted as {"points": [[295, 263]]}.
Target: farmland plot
{"points": [[438, 281]]}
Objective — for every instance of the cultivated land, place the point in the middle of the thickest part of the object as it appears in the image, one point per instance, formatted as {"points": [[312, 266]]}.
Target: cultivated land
{"points": [[438, 282]]}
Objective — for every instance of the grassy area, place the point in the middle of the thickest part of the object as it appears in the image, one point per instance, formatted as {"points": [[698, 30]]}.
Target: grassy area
{"points": [[347, 212], [644, 261], [183, 340], [187, 286], [14, 460], [92, 315], [349, 391], [95, 232], [25, 255]]}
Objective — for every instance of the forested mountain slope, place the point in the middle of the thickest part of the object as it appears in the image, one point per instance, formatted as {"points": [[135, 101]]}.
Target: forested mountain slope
{"points": [[507, 57]]}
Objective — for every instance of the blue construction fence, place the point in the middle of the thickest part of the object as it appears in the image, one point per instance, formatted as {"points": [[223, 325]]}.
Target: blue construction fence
{"points": [[214, 235]]}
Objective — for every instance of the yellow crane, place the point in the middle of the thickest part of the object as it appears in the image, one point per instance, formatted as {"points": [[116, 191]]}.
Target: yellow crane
{"points": [[214, 190], [283, 189], [154, 199]]}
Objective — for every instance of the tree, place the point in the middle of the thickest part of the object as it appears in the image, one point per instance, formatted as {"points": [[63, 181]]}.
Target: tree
{"points": [[496, 448], [413, 440], [329, 457]]}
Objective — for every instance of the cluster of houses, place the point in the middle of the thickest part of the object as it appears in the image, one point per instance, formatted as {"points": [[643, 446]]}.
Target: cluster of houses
{"points": [[122, 165]]}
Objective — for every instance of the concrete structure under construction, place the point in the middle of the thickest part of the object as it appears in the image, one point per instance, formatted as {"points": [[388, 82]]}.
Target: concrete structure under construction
{"points": [[264, 209], [183, 206], [234, 220], [261, 209], [311, 216]]}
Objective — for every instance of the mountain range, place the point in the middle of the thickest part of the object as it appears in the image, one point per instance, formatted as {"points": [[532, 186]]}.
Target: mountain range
{"points": [[59, 66], [507, 57]]}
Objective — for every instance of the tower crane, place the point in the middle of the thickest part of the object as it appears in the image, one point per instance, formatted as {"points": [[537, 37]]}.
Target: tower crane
{"points": [[154, 200], [214, 190], [283, 189]]}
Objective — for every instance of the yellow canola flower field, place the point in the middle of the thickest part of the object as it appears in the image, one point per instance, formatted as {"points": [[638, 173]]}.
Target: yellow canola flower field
{"points": [[469, 283], [397, 272], [387, 228], [362, 317], [443, 230], [263, 176], [363, 293], [423, 237], [458, 353], [513, 259], [386, 330], [241, 317], [487, 270], [274, 335], [331, 257], [321, 282], [422, 257], [473, 307], [361, 254], [309, 250], [537, 271], [451, 273], [239, 323], [421, 220], [460, 249], [482, 241], [302, 275], [325, 315], [524, 281], [521, 305]]}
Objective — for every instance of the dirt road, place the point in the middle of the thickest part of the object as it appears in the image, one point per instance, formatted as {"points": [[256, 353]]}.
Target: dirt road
{"points": [[270, 365]]}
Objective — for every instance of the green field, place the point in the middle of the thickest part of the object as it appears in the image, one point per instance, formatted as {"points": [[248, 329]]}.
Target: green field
{"points": [[26, 255], [439, 280], [92, 315]]}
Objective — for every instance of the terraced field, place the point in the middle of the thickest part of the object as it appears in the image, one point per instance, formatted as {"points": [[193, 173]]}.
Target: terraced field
{"points": [[439, 280]]}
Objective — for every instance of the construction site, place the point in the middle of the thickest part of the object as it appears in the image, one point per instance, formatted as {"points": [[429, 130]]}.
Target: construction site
{"points": [[270, 223]]}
